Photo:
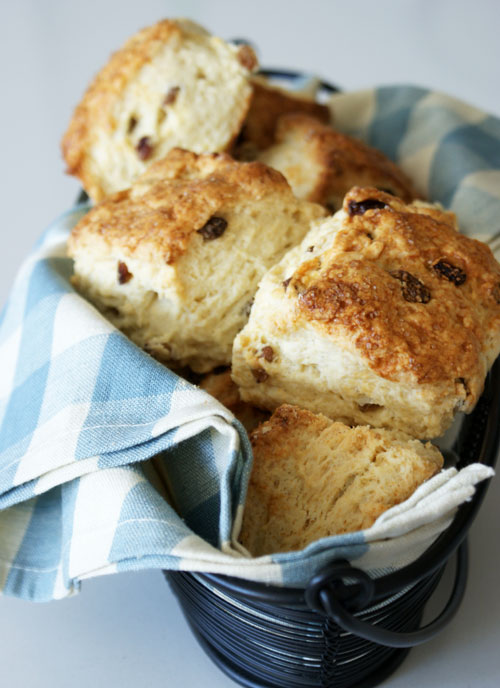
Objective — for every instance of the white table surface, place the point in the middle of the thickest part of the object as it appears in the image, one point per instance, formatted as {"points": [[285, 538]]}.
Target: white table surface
{"points": [[126, 630]]}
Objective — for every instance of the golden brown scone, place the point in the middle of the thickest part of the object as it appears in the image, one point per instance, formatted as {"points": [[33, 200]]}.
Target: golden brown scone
{"points": [[321, 164], [268, 104], [171, 84], [175, 261], [384, 315], [313, 477], [220, 385]]}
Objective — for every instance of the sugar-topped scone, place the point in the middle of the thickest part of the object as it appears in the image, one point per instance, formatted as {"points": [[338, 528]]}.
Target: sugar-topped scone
{"points": [[313, 477], [384, 315], [268, 104], [171, 84], [321, 164], [175, 261]]}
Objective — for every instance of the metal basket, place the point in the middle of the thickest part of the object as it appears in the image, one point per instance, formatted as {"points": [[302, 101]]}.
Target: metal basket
{"points": [[345, 629]]}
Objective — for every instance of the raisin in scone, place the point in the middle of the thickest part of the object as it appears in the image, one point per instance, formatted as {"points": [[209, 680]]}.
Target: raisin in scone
{"points": [[171, 84], [174, 261], [321, 164], [384, 315], [313, 477]]}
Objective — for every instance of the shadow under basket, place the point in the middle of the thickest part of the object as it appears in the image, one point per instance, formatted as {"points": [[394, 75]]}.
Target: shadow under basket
{"points": [[344, 629]]}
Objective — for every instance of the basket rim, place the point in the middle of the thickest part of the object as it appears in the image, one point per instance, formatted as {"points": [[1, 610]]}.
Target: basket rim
{"points": [[434, 557]]}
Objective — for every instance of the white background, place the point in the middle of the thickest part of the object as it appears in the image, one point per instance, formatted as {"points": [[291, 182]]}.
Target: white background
{"points": [[126, 630]]}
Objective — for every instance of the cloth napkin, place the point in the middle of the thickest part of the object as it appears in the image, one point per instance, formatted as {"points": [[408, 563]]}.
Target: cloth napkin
{"points": [[101, 447]]}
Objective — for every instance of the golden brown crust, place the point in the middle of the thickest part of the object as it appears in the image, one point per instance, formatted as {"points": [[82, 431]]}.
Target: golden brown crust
{"points": [[313, 477], [267, 106], [174, 198], [221, 386], [107, 144], [415, 297], [341, 161], [95, 108]]}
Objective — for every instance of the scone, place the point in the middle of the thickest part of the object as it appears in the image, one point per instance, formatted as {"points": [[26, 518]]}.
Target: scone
{"points": [[171, 84], [321, 164], [313, 477], [384, 315], [268, 104], [220, 385], [175, 261]]}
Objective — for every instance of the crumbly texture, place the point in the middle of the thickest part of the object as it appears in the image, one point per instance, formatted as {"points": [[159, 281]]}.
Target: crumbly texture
{"points": [[313, 477], [220, 385], [321, 164], [384, 315], [175, 261], [171, 84], [268, 104]]}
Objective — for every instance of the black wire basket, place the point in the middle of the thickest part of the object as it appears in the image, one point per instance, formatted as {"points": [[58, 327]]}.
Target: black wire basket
{"points": [[344, 629]]}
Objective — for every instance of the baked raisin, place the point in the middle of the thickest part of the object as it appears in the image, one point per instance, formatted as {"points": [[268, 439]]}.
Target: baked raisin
{"points": [[132, 123], [213, 229], [412, 288], [360, 207], [450, 272], [124, 275], [267, 353], [260, 374], [171, 96], [144, 148], [286, 282], [246, 57]]}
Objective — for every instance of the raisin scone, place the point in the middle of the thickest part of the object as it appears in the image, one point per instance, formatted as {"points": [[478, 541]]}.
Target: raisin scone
{"points": [[313, 477], [171, 84], [174, 261], [268, 104], [384, 315], [321, 164]]}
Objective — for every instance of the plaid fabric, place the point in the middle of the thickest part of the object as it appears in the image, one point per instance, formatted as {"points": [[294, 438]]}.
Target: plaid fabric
{"points": [[83, 410]]}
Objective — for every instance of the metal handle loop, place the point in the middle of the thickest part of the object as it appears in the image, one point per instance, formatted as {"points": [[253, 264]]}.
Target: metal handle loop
{"points": [[355, 594], [336, 610]]}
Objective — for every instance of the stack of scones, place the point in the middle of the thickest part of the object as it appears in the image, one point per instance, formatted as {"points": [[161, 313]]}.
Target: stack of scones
{"points": [[289, 269]]}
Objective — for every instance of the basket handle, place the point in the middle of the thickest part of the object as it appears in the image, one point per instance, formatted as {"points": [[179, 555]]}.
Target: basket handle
{"points": [[329, 594]]}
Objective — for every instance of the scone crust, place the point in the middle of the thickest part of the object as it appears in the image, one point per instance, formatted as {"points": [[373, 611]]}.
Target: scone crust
{"points": [[384, 315], [431, 330], [175, 261], [95, 111], [313, 477], [175, 198], [338, 161], [220, 385], [268, 104]]}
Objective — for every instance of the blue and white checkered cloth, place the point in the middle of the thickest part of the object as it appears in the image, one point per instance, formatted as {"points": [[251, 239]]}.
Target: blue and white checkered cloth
{"points": [[82, 409]]}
